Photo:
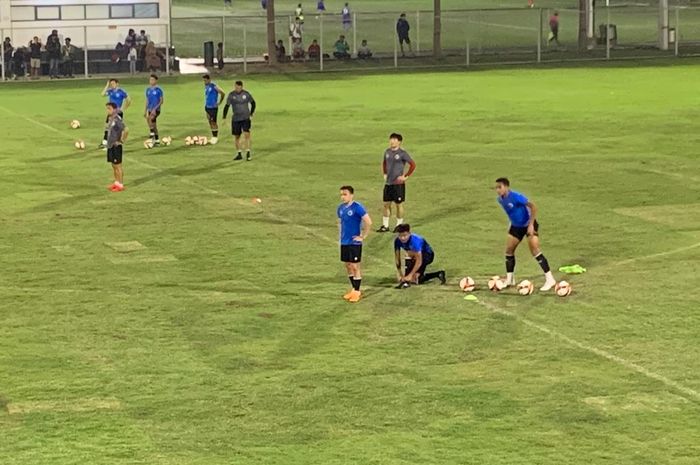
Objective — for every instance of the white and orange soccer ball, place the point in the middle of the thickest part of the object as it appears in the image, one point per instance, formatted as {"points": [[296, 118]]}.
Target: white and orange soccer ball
{"points": [[148, 143], [496, 284], [79, 144], [195, 140], [562, 288], [467, 284], [188, 140], [167, 140], [525, 287], [75, 124]]}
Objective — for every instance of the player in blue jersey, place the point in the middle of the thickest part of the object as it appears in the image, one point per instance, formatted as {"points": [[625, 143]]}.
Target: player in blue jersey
{"points": [[523, 222], [117, 96], [419, 255], [154, 102], [353, 224], [213, 96]]}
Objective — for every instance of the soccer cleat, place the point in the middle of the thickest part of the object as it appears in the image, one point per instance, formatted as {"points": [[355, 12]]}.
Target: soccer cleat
{"points": [[355, 296], [509, 282], [383, 229], [348, 294], [214, 140], [238, 157], [115, 188], [247, 156], [548, 285], [442, 278], [403, 285]]}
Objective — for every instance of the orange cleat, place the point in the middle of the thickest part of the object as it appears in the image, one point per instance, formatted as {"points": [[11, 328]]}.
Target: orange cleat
{"points": [[116, 188], [349, 294], [355, 296]]}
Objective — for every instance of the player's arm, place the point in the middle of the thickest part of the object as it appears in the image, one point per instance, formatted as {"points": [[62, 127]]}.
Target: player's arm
{"points": [[399, 268], [104, 91], [222, 95], [417, 262], [228, 105], [252, 105], [127, 102], [125, 135], [411, 169], [366, 226], [533, 214], [384, 167]]}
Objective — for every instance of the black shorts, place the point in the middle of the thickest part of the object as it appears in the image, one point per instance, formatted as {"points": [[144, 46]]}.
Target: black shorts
{"points": [[519, 232], [427, 260], [114, 155], [120, 113], [239, 127], [394, 193], [404, 39], [212, 114], [155, 118], [351, 253]]}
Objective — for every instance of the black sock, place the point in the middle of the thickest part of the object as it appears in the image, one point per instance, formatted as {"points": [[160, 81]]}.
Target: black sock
{"points": [[352, 281], [105, 136], [215, 132], [428, 276], [543, 262], [356, 283], [155, 134], [510, 263]]}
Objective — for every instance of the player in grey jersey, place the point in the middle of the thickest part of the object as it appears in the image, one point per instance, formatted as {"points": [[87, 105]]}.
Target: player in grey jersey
{"points": [[243, 109], [393, 166]]}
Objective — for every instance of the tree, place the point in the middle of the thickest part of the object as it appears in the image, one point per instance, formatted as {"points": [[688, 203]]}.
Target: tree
{"points": [[437, 29], [271, 49]]}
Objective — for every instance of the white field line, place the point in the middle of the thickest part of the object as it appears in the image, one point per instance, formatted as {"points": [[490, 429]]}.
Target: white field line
{"points": [[655, 255], [506, 26], [695, 395]]}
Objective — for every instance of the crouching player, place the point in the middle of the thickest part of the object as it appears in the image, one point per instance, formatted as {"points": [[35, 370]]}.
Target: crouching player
{"points": [[419, 255]]}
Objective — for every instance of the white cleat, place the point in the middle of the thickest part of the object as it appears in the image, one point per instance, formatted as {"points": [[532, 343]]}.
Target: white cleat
{"points": [[213, 140], [548, 286], [509, 282]]}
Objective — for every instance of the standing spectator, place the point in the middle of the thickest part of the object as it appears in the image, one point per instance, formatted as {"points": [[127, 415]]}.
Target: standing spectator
{"points": [[347, 17], [53, 47], [130, 41], [133, 56], [228, 3], [297, 49], [364, 52], [67, 52], [35, 57], [7, 50], [141, 41], [152, 61], [531, 3], [314, 50], [281, 51], [263, 4], [341, 48], [299, 14], [295, 30], [321, 7], [220, 55], [402, 28], [554, 28], [20, 63]]}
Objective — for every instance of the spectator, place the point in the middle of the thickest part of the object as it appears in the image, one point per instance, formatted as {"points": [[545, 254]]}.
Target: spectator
{"points": [[314, 50], [133, 57], [129, 41], [299, 14], [295, 30], [342, 49], [554, 28], [402, 28], [35, 57], [263, 4], [228, 3], [297, 49], [220, 55], [67, 53], [20, 62], [153, 58], [347, 17], [53, 47], [7, 50], [320, 6], [141, 41], [364, 52], [281, 51]]}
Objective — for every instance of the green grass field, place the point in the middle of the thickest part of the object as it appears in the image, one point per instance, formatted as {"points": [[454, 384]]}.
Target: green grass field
{"points": [[179, 323]]}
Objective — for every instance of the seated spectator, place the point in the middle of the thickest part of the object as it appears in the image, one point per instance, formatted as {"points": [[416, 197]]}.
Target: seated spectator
{"points": [[314, 50], [281, 51], [364, 52], [129, 41], [67, 53], [297, 49], [7, 50], [153, 58], [342, 49]]}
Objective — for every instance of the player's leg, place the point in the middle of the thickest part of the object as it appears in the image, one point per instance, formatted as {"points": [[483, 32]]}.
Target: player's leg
{"points": [[156, 137], [410, 49], [399, 212], [424, 276], [386, 211], [534, 244], [351, 276], [512, 242], [401, 45], [104, 136], [247, 143], [357, 278]]}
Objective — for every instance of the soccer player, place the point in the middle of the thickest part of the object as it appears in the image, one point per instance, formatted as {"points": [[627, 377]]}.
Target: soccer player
{"points": [[419, 255], [354, 225], [393, 167], [120, 98], [117, 133], [523, 222], [213, 96], [154, 102], [243, 109]]}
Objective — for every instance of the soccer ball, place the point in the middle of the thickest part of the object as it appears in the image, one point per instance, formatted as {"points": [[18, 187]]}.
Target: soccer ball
{"points": [[467, 284], [148, 143], [195, 140], [188, 140], [166, 140], [75, 124], [525, 287], [562, 288], [80, 145], [203, 140], [214, 140], [496, 284]]}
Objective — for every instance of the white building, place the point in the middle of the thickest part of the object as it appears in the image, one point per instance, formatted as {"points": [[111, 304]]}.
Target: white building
{"points": [[103, 23]]}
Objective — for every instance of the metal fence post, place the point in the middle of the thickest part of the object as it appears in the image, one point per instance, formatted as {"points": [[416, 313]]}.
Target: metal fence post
{"points": [[539, 39], [85, 53], [167, 50], [607, 36], [289, 35], [320, 44], [223, 33], [468, 54], [678, 34], [245, 48], [417, 32], [396, 51], [354, 33], [4, 71]]}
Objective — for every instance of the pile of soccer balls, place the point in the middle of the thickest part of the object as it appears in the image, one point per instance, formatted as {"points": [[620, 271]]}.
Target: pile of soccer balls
{"points": [[165, 141], [497, 284], [79, 144], [198, 140]]}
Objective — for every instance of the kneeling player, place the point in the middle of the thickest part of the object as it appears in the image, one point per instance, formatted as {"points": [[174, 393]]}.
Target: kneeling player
{"points": [[521, 213], [419, 255]]}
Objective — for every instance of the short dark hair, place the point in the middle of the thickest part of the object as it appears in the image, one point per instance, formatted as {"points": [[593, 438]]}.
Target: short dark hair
{"points": [[67, 39], [503, 181], [397, 136], [348, 188], [220, 44], [111, 105], [403, 228], [206, 76], [114, 79], [154, 76], [239, 83]]}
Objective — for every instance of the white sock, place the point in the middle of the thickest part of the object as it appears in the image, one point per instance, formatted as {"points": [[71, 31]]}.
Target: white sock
{"points": [[399, 221], [549, 277], [510, 278], [118, 184], [385, 221]]}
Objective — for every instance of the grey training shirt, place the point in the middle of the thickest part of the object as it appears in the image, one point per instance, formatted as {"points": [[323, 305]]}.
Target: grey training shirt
{"points": [[243, 105], [115, 127], [395, 163]]}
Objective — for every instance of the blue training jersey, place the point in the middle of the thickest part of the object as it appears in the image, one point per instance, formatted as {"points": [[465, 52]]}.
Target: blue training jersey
{"points": [[415, 243], [117, 96], [515, 206], [350, 222], [211, 96], [153, 96]]}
